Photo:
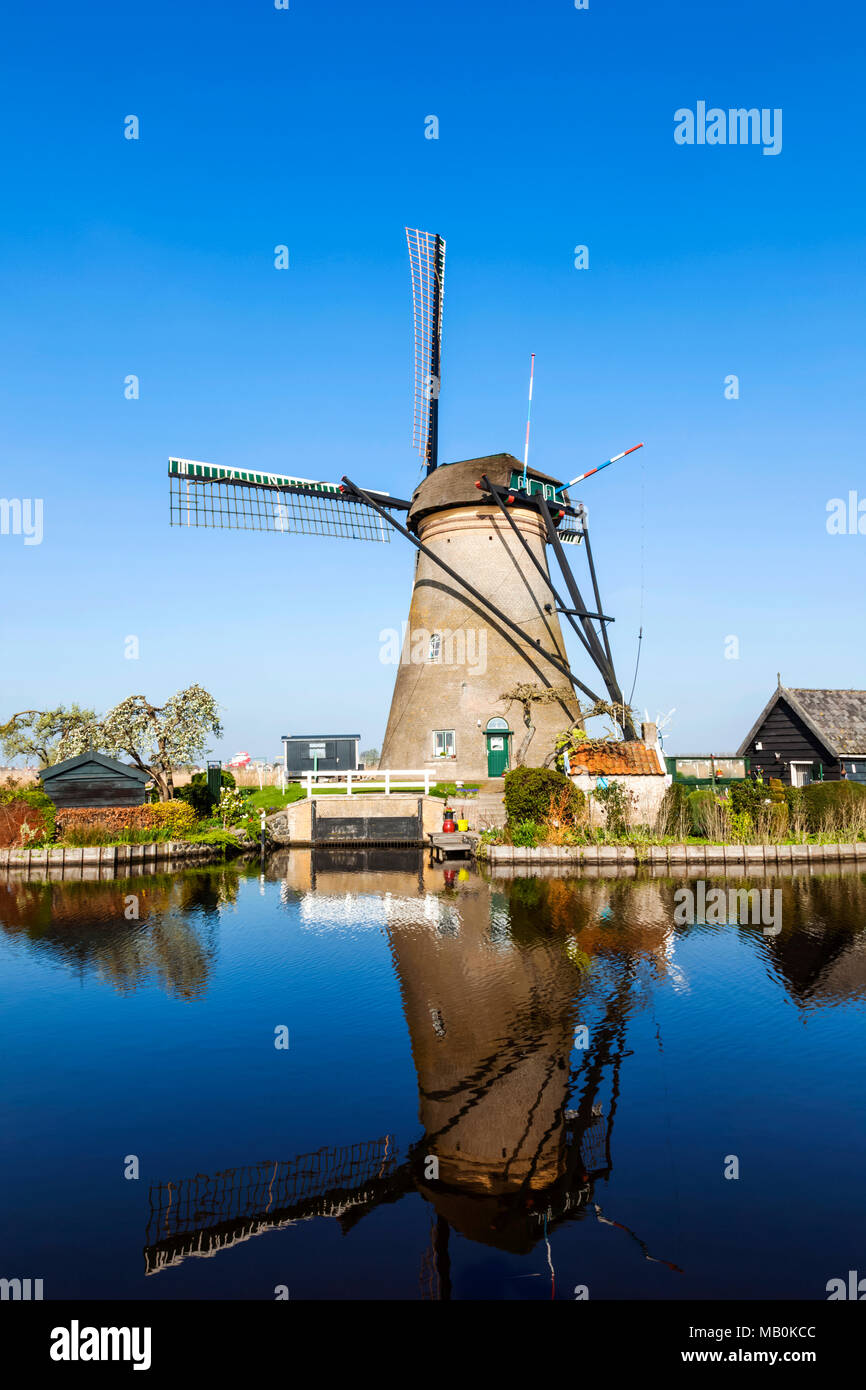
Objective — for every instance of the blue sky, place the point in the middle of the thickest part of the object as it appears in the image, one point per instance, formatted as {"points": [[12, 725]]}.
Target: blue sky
{"points": [[259, 127]]}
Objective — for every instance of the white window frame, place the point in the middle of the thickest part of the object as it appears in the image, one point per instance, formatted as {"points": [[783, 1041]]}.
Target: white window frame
{"points": [[434, 648], [448, 739], [800, 763]]}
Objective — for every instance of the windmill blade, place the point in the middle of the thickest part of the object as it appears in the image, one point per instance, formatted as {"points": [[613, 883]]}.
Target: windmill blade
{"points": [[427, 263], [236, 499]]}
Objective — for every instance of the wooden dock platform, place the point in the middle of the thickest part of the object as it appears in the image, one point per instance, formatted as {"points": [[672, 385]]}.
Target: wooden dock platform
{"points": [[453, 845]]}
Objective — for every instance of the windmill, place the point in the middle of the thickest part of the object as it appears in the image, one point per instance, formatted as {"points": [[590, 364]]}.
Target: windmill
{"points": [[484, 615]]}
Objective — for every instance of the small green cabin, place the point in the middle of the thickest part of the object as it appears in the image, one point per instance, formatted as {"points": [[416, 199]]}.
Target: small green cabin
{"points": [[92, 779]]}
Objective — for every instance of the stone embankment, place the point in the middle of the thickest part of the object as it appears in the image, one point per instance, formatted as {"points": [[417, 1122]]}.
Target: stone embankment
{"points": [[676, 856], [109, 859]]}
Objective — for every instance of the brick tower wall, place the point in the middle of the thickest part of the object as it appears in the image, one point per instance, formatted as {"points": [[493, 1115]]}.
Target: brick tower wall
{"points": [[479, 658]]}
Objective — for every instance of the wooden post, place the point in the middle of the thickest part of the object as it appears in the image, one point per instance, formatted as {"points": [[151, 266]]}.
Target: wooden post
{"points": [[309, 784], [348, 784], [426, 781], [387, 784]]}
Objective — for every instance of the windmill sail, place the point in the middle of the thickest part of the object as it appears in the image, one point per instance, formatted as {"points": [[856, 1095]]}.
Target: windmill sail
{"points": [[427, 262], [238, 499]]}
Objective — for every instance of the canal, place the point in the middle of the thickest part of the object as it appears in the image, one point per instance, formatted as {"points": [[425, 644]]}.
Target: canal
{"points": [[355, 1075]]}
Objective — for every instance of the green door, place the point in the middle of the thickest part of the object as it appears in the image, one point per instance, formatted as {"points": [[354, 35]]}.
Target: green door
{"points": [[497, 754]]}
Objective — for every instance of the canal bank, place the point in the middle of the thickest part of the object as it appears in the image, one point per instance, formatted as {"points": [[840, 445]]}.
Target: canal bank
{"points": [[109, 860]]}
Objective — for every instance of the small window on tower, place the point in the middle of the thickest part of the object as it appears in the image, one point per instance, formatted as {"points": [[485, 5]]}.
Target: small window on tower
{"points": [[434, 651], [443, 743]]}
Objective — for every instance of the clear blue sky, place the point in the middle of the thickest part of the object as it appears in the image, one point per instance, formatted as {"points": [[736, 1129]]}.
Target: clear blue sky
{"points": [[258, 127]]}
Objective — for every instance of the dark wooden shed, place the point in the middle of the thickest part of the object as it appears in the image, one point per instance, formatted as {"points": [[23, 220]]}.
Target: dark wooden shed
{"points": [[320, 752], [805, 735], [92, 779]]}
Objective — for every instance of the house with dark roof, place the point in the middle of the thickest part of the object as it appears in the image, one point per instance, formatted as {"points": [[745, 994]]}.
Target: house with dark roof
{"points": [[804, 736], [92, 779]]}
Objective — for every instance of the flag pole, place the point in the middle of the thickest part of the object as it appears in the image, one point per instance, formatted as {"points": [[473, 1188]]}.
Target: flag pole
{"points": [[528, 416]]}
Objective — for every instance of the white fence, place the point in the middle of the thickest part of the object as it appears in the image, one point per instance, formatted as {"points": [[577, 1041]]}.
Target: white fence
{"points": [[343, 783]]}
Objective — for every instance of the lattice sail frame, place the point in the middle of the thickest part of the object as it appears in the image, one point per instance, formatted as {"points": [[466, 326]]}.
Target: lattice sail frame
{"points": [[427, 263], [235, 499]]}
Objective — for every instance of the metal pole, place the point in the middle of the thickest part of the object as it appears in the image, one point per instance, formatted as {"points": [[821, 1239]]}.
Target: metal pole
{"points": [[545, 576], [597, 594], [605, 667]]}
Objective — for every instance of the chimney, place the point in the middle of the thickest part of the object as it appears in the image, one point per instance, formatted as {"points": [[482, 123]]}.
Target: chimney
{"points": [[650, 735]]}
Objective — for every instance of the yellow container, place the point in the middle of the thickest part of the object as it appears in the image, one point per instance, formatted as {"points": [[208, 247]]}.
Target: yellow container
{"points": [[463, 825]]}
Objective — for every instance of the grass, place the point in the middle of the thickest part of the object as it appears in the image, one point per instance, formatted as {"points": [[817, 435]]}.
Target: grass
{"points": [[272, 799]]}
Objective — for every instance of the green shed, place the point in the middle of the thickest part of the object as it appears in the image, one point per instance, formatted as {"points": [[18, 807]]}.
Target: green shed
{"points": [[92, 779]]}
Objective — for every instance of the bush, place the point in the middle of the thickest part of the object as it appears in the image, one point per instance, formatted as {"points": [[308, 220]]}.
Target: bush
{"points": [[196, 793], [162, 820], [526, 833], [748, 797], [174, 817], [833, 805], [617, 802], [702, 810], [528, 792], [23, 824], [794, 801], [675, 818]]}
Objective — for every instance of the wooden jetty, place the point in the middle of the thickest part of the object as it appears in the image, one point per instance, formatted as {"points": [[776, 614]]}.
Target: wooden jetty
{"points": [[454, 844]]}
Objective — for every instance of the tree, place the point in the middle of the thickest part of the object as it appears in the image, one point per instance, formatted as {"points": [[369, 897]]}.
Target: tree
{"points": [[576, 739], [526, 695], [48, 735], [159, 738]]}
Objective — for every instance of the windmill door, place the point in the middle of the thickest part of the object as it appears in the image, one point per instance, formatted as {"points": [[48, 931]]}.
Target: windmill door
{"points": [[497, 734]]}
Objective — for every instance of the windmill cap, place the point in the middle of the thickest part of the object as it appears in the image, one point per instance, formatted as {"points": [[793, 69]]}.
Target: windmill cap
{"points": [[456, 484]]}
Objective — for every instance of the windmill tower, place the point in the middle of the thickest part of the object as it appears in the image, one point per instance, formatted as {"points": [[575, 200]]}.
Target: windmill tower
{"points": [[483, 675]]}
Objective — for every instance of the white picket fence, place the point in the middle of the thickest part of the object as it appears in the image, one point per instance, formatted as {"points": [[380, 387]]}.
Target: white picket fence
{"points": [[342, 784]]}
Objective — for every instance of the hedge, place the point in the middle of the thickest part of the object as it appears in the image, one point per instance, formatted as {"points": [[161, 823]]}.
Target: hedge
{"points": [[175, 818], [833, 805], [528, 792]]}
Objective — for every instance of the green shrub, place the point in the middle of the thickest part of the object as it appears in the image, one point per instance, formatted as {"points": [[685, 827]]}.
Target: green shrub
{"points": [[197, 796], [528, 793], [702, 810], [196, 793], [526, 833], [794, 801], [748, 797], [675, 818], [617, 801], [833, 805]]}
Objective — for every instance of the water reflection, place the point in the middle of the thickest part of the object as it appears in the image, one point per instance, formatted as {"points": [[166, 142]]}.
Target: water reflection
{"points": [[519, 996], [156, 928]]}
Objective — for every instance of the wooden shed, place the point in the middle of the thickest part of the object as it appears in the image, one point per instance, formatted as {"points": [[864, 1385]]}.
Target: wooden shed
{"points": [[92, 779], [805, 735]]}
